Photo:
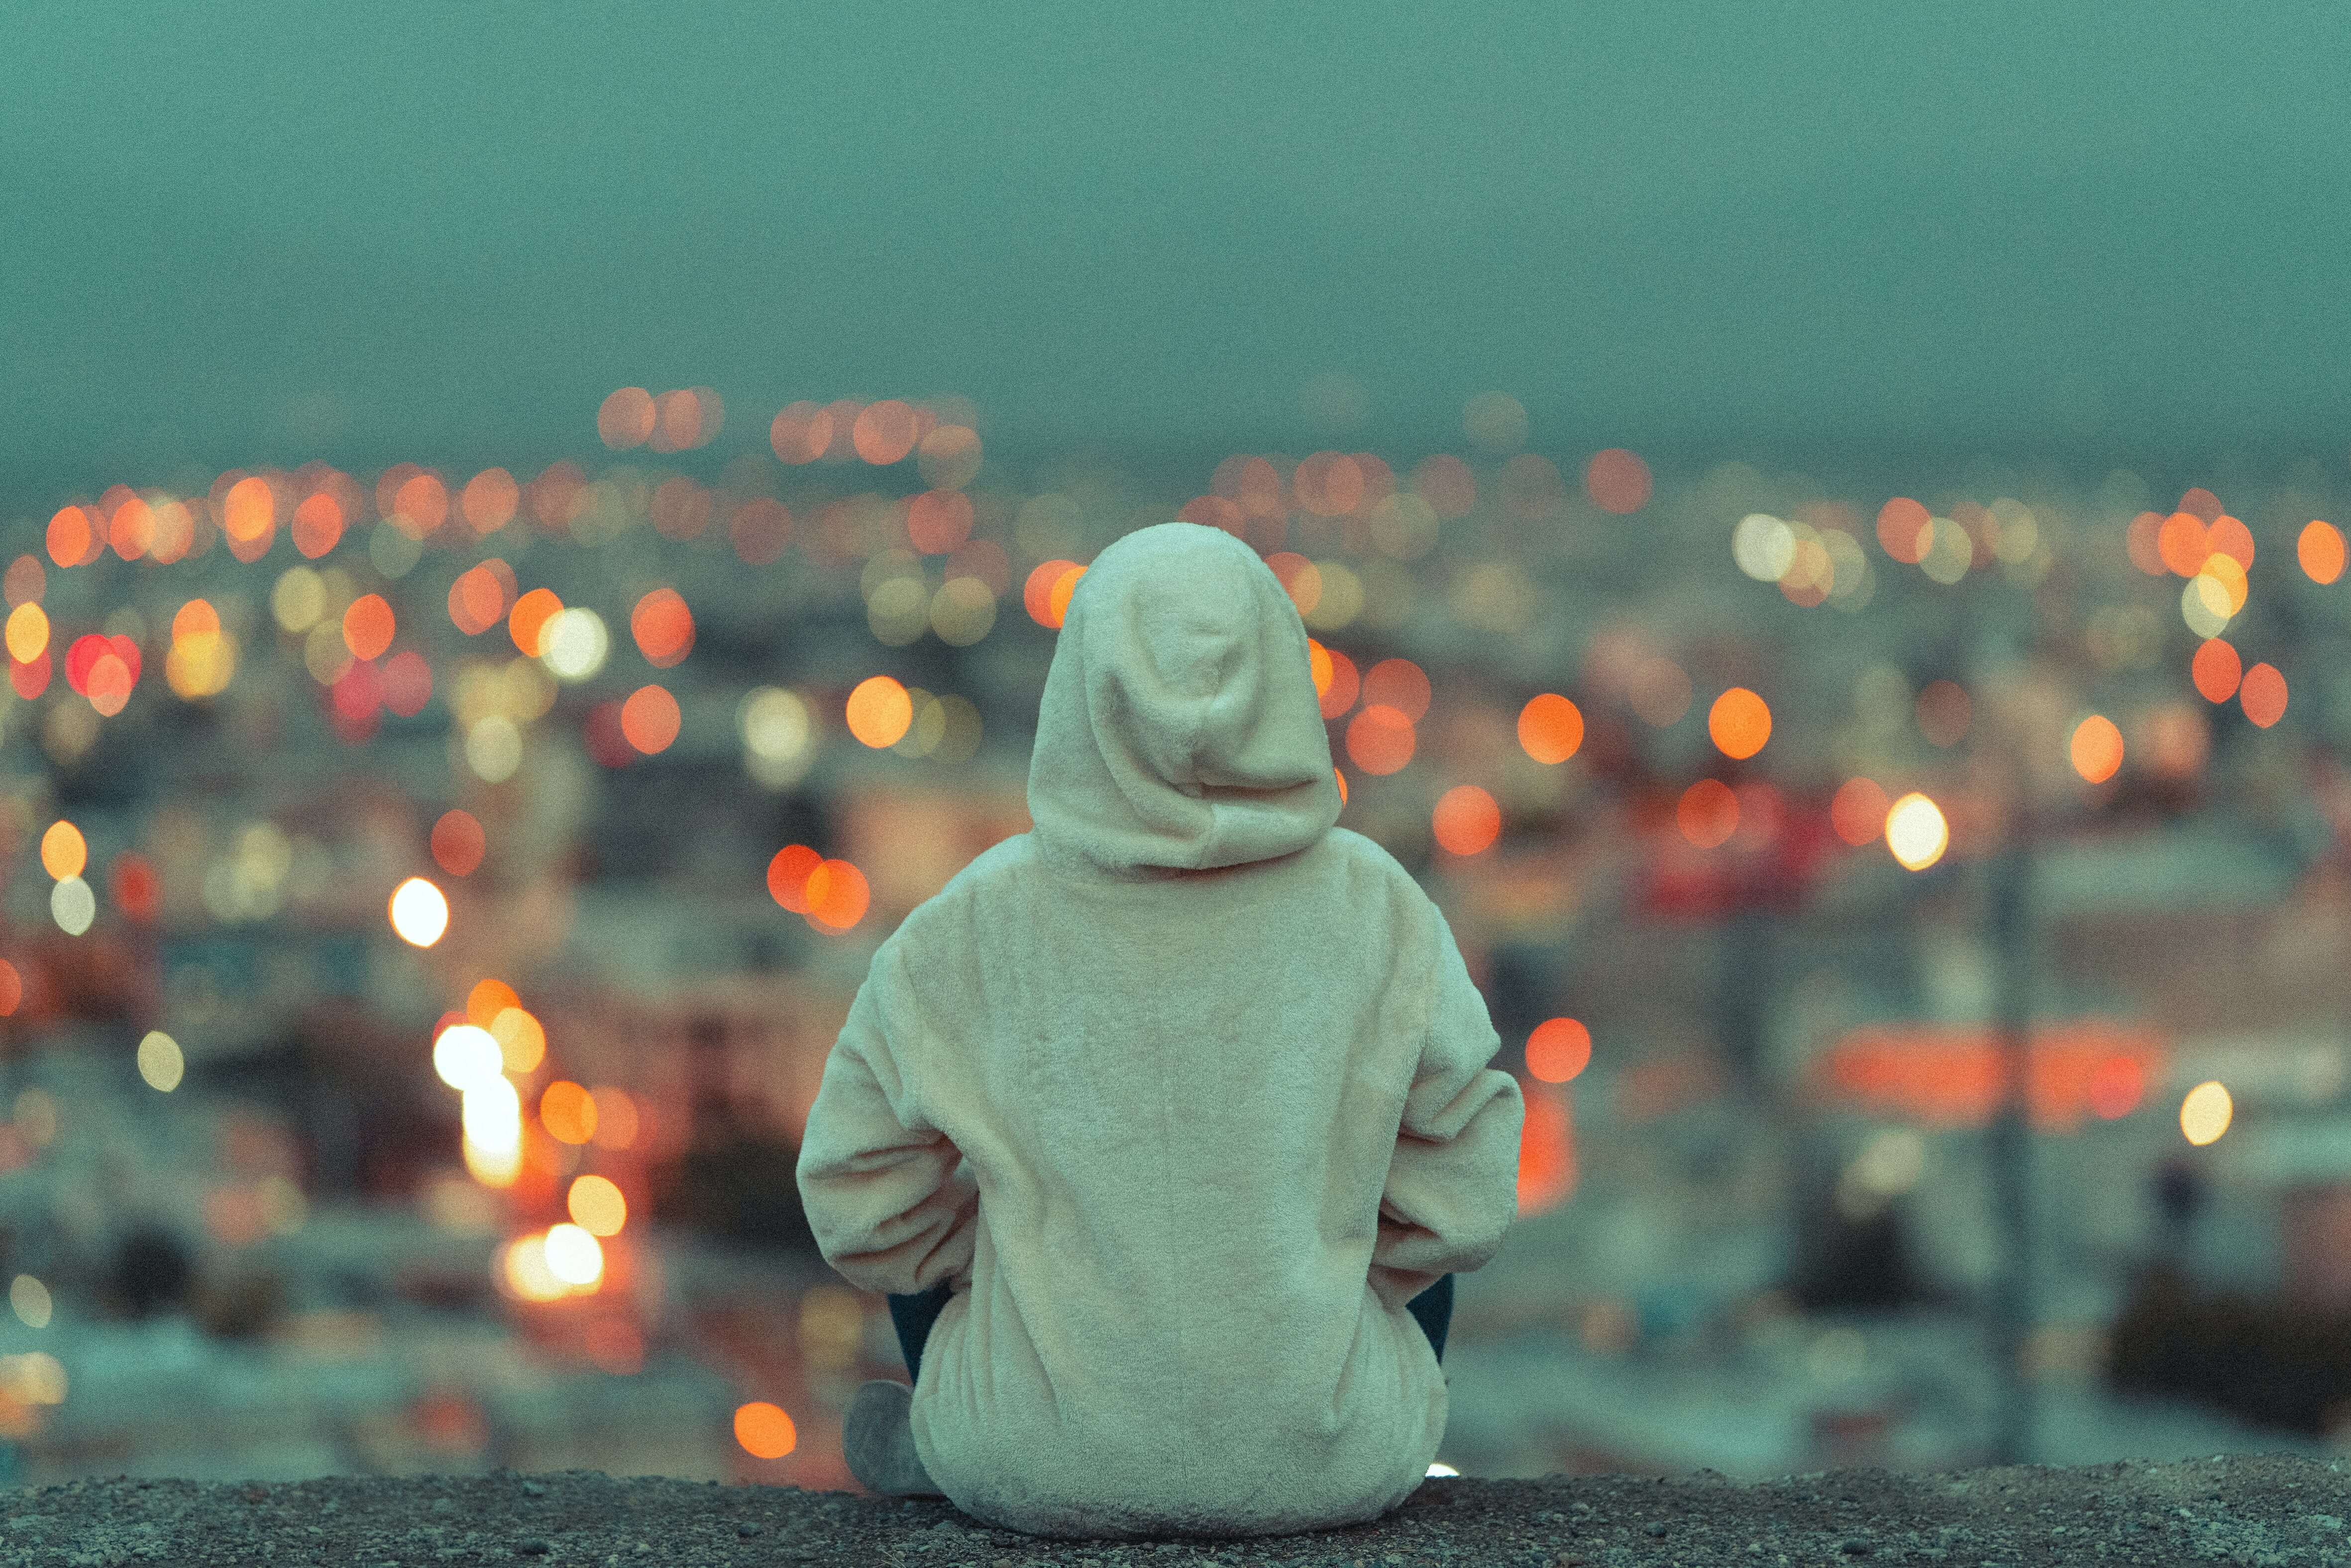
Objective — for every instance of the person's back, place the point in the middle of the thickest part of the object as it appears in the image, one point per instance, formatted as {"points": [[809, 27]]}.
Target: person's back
{"points": [[1217, 1078]]}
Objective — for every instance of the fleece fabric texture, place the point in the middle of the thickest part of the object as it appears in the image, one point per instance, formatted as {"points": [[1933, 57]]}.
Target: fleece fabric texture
{"points": [[1186, 1090]]}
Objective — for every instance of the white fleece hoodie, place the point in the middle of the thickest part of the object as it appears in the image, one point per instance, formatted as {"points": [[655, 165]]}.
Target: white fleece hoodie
{"points": [[1186, 1090]]}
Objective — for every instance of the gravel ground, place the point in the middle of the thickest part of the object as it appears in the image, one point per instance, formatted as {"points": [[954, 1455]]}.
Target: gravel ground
{"points": [[2243, 1509]]}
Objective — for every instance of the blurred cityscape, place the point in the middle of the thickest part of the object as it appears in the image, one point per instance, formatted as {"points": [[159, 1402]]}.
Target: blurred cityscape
{"points": [[1917, 920]]}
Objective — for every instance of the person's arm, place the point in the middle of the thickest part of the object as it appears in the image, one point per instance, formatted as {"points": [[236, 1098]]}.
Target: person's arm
{"points": [[880, 1186], [1452, 1187]]}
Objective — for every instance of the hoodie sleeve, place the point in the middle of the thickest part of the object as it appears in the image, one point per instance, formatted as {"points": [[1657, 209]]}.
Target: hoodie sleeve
{"points": [[1452, 1187], [880, 1186]]}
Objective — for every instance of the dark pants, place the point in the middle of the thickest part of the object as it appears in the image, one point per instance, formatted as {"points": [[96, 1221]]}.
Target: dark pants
{"points": [[913, 1316]]}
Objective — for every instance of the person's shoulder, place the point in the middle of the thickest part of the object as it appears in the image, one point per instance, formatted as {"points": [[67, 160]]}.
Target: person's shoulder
{"points": [[1370, 858], [1376, 877]]}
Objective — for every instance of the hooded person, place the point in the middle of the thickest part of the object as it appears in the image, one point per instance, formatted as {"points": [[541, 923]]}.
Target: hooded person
{"points": [[1171, 1106]]}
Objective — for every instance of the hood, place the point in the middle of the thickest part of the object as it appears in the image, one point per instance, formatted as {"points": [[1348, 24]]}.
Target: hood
{"points": [[1180, 726]]}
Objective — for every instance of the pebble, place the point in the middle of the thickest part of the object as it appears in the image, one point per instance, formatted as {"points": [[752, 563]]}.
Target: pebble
{"points": [[533, 1488], [1655, 1527], [533, 1548]]}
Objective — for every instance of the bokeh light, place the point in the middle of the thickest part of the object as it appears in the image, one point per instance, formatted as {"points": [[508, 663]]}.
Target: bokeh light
{"points": [[419, 914], [596, 1205], [763, 1431], [2205, 1113], [2096, 749], [2320, 551], [1550, 727], [878, 711], [1915, 831], [1558, 1049], [1739, 722], [1467, 821], [2262, 695]]}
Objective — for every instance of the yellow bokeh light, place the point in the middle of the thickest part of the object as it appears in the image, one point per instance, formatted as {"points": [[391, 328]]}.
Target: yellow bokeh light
{"points": [[492, 1120], [596, 1205], [28, 633], [879, 711], [1915, 831], [160, 1062], [524, 1267], [574, 1257], [466, 1056], [419, 914], [2205, 1113], [521, 1038], [63, 851]]}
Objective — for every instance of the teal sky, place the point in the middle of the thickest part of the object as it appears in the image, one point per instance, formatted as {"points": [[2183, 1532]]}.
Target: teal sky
{"points": [[264, 231]]}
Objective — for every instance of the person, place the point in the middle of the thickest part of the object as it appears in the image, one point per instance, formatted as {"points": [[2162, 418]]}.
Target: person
{"points": [[1166, 1123]]}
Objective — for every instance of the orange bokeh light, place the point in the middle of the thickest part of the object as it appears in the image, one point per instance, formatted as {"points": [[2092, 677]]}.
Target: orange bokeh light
{"points": [[317, 524], [1558, 1049], [490, 499], [421, 504], [1037, 592], [884, 431], [1902, 530], [2182, 542], [1380, 739], [764, 1430], [478, 600], [368, 626], [1707, 812], [1057, 598], [649, 720], [568, 1112], [250, 511], [801, 432], [2096, 749], [1465, 820], [788, 875], [487, 999], [625, 419], [938, 521], [2321, 551], [663, 627], [1740, 723], [528, 621], [2215, 670], [1617, 481], [1857, 811], [1550, 727], [196, 618], [1547, 1170], [837, 894], [69, 535], [1398, 683], [458, 843], [1337, 694], [2231, 538], [131, 528], [2262, 695]]}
